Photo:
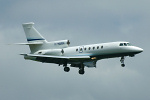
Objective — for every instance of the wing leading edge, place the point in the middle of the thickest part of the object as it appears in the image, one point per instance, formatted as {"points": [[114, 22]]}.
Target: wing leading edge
{"points": [[59, 57]]}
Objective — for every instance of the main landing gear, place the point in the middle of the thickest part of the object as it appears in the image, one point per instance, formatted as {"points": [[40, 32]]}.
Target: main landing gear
{"points": [[122, 61], [66, 69], [81, 69]]}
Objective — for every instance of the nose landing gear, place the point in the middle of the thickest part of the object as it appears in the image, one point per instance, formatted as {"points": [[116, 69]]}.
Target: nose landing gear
{"points": [[122, 61]]}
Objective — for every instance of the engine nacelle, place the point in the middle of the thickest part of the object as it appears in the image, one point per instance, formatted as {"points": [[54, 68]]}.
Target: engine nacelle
{"points": [[61, 43], [56, 52]]}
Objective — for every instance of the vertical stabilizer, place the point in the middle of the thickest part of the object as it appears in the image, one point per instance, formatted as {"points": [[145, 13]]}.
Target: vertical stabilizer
{"points": [[32, 34]]}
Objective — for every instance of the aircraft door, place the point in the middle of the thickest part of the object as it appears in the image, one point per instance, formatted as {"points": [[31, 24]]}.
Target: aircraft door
{"points": [[81, 49]]}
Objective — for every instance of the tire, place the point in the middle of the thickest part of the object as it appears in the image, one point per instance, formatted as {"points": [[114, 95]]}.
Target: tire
{"points": [[123, 65], [66, 69], [81, 72]]}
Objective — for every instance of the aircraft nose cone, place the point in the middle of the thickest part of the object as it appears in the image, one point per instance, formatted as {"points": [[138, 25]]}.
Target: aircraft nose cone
{"points": [[139, 50]]}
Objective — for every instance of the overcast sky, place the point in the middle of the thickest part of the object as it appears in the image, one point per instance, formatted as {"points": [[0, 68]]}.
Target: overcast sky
{"points": [[82, 22]]}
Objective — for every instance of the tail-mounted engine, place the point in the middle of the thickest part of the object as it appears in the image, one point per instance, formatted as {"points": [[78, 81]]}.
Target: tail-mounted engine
{"points": [[56, 52], [61, 43], [53, 48]]}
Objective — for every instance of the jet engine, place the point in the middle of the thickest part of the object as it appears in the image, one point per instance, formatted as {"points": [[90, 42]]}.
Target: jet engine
{"points": [[61, 43], [56, 52]]}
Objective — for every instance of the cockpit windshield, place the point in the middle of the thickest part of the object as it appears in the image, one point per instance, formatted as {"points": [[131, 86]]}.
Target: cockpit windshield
{"points": [[129, 44], [124, 44]]}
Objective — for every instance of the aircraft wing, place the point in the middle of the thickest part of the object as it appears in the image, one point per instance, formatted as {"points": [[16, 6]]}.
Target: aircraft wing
{"points": [[58, 57], [62, 59]]}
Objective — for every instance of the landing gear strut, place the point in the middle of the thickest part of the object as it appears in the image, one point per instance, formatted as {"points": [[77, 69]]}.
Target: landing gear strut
{"points": [[122, 61], [81, 69]]}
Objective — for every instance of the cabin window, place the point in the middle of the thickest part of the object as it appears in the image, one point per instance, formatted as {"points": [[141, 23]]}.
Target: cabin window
{"points": [[80, 49], [84, 48], [76, 49], [89, 48], [101, 47], [97, 47], [93, 48]]}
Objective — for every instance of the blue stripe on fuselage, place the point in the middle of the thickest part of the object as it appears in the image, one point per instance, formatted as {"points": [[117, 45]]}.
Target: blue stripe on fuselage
{"points": [[34, 39]]}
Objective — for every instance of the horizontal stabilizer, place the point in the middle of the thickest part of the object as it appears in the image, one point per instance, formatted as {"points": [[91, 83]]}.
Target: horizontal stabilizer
{"points": [[34, 43]]}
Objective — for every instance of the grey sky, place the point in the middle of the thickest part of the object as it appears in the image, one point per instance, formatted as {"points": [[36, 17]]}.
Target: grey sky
{"points": [[82, 22]]}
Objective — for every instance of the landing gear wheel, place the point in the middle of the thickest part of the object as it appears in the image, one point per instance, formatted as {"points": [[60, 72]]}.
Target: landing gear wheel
{"points": [[123, 65], [66, 69], [81, 71]]}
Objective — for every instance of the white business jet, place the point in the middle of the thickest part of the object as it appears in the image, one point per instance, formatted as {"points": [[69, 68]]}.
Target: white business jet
{"points": [[59, 52]]}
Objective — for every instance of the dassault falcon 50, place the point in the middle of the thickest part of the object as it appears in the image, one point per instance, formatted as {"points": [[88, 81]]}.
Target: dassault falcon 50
{"points": [[59, 52]]}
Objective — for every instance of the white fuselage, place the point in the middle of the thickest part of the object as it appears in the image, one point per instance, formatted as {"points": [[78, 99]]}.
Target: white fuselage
{"points": [[59, 52], [111, 49]]}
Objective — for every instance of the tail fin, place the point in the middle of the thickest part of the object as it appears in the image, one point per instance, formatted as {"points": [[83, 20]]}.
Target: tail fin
{"points": [[32, 34], [37, 42], [34, 38]]}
